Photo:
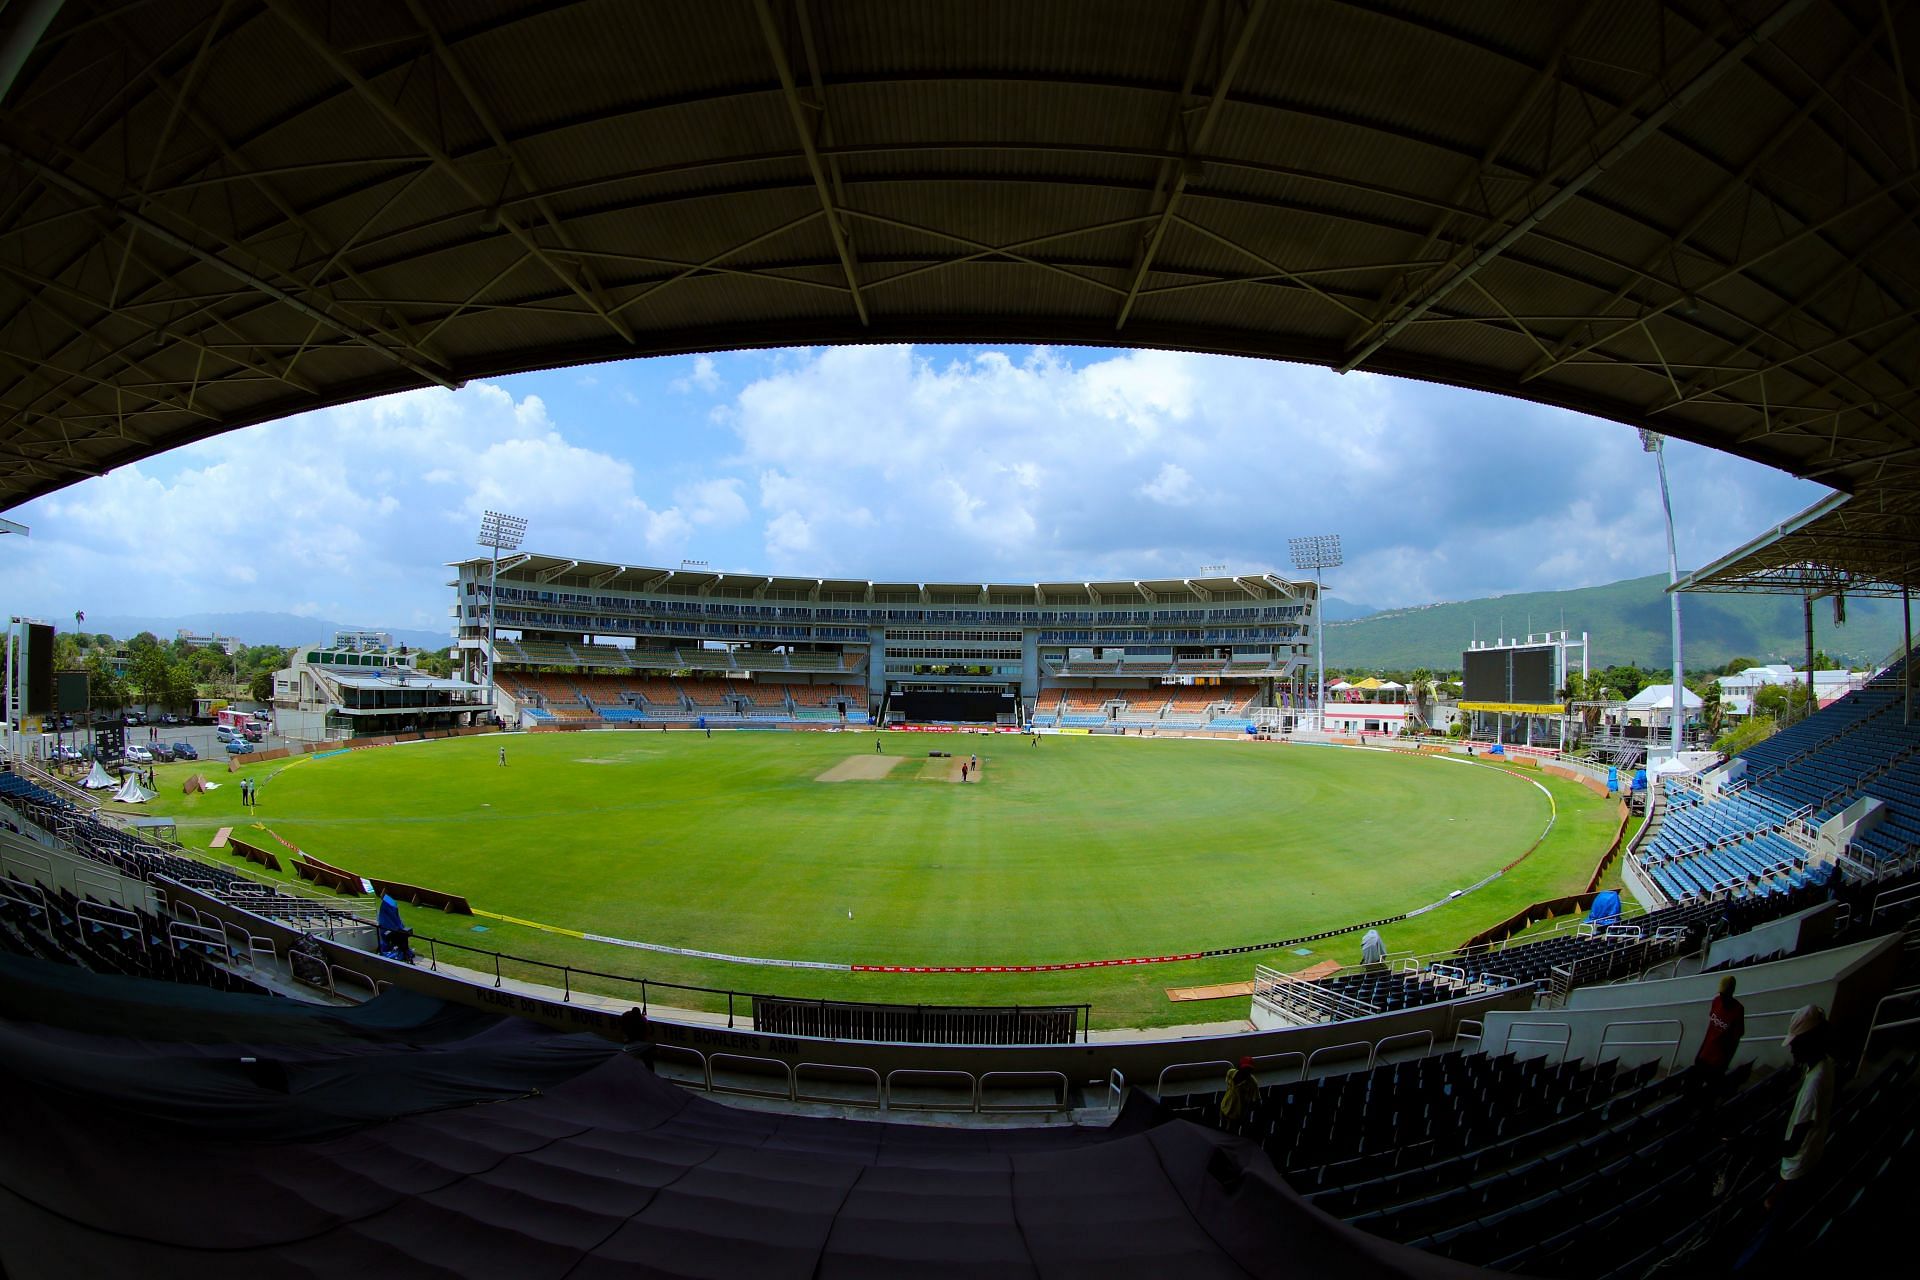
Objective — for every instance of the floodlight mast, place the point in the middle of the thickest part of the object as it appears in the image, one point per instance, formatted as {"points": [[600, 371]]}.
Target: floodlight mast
{"points": [[1654, 443], [501, 533], [1321, 551]]}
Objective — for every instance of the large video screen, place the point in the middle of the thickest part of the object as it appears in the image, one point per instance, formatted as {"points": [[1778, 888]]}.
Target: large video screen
{"points": [[1486, 675], [1533, 676]]}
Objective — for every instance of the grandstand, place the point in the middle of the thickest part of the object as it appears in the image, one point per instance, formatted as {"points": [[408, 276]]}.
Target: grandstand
{"points": [[752, 649], [1839, 789]]}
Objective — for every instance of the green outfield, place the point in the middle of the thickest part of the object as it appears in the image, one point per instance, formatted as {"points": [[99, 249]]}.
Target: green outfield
{"points": [[786, 846]]}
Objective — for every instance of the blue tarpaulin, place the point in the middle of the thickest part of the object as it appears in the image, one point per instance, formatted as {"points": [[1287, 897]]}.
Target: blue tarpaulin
{"points": [[1639, 779], [1606, 907], [393, 931]]}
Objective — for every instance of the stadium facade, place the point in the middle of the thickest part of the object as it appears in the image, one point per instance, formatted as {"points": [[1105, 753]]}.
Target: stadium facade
{"points": [[579, 639]]}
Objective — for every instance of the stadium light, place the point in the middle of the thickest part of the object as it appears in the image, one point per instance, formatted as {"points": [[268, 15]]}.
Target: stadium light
{"points": [[501, 533], [1318, 552], [1654, 443]]}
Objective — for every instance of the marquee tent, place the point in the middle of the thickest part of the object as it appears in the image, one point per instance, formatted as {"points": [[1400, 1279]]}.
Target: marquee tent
{"points": [[99, 779], [131, 792]]}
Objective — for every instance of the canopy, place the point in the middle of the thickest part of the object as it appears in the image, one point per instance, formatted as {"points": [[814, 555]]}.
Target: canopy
{"points": [[1659, 697], [131, 792], [99, 778]]}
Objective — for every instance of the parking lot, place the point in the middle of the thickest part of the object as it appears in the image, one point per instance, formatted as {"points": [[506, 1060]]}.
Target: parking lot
{"points": [[202, 737]]}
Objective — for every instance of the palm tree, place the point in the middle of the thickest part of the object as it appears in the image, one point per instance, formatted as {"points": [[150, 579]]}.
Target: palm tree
{"points": [[1420, 693]]}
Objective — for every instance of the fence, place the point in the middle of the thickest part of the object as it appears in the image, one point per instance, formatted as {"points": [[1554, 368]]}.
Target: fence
{"points": [[876, 1020], [919, 1024]]}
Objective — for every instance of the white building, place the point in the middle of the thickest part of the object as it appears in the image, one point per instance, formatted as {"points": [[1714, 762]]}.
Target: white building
{"points": [[1737, 690], [1652, 707], [363, 641], [343, 693], [225, 644]]}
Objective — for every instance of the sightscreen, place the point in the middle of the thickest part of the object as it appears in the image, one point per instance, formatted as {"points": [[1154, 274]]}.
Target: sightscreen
{"points": [[70, 692], [963, 706], [1533, 676]]}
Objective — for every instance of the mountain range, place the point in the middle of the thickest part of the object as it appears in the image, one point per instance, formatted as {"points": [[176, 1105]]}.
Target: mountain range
{"points": [[285, 629], [1627, 622]]}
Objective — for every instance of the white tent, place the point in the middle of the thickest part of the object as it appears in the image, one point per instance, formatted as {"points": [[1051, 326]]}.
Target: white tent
{"points": [[99, 779], [131, 792]]}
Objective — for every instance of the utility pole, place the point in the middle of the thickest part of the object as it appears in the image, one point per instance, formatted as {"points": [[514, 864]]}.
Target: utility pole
{"points": [[1321, 551]]}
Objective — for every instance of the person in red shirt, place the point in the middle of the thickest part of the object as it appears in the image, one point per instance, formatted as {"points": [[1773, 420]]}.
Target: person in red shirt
{"points": [[1726, 1025]]}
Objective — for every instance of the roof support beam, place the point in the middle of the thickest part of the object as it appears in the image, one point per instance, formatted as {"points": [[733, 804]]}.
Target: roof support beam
{"points": [[1190, 164], [73, 186], [796, 111], [297, 23], [1447, 281]]}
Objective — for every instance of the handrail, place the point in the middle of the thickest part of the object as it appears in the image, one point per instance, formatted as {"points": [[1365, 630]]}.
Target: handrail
{"points": [[799, 1096], [980, 1094], [1374, 1060], [886, 1094], [1116, 1088], [337, 971], [714, 1085], [1874, 1024], [1329, 1048], [1478, 1035], [1160, 1084], [1679, 1035], [1564, 1042], [706, 1071]]}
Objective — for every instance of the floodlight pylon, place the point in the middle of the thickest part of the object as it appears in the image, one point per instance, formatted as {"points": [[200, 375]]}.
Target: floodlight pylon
{"points": [[500, 532], [1318, 552]]}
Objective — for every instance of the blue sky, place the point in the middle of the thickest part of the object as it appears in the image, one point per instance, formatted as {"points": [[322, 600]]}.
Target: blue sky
{"points": [[949, 463]]}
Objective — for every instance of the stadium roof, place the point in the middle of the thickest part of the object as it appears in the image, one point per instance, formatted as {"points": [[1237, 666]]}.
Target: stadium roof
{"points": [[1694, 216], [624, 577], [1834, 547]]}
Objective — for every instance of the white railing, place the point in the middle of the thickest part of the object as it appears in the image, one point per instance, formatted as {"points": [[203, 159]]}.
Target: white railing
{"points": [[1305, 998]]}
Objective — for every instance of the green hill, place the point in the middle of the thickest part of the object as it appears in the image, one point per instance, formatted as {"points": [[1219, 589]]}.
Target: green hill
{"points": [[1627, 622]]}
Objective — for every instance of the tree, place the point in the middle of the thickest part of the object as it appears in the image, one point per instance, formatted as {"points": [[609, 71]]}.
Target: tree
{"points": [[261, 689], [148, 671], [1710, 710], [1738, 665], [1753, 729], [142, 642], [105, 688], [1625, 681], [438, 662], [1420, 692], [181, 687], [1782, 703]]}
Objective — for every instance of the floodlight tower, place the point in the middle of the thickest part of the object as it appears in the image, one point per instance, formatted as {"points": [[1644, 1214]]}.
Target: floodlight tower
{"points": [[501, 533], [1321, 551], [1654, 443]]}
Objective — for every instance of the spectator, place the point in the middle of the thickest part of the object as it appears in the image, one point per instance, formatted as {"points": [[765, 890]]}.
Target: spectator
{"points": [[1726, 1025], [1242, 1095], [1806, 1042]]}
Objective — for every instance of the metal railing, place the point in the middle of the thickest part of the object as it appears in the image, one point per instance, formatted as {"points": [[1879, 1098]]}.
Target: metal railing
{"points": [[640, 990]]}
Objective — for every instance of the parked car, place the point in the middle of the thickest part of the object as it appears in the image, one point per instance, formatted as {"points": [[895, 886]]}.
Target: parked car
{"points": [[171, 718], [66, 754], [266, 717], [252, 734], [185, 751], [139, 754], [224, 733], [239, 747], [160, 751]]}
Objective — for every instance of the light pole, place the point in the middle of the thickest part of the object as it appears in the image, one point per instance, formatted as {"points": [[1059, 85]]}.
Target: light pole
{"points": [[1321, 551], [501, 533], [1654, 443]]}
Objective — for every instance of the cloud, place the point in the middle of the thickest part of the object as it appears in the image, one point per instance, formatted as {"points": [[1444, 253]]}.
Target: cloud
{"points": [[704, 377], [983, 465], [897, 463], [1171, 486], [356, 507]]}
